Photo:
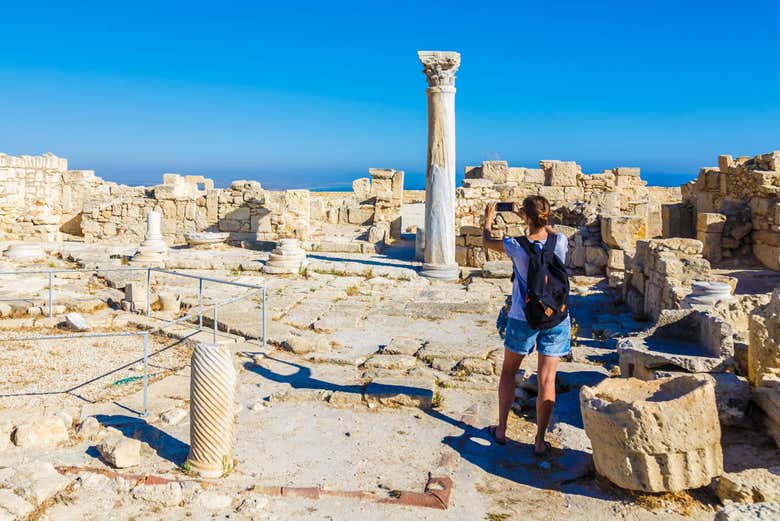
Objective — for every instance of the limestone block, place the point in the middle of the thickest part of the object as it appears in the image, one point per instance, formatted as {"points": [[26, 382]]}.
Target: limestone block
{"points": [[577, 256], [596, 255], [496, 171], [43, 432], [534, 176], [560, 173], [594, 270], [710, 222], [120, 452], [750, 486], [377, 233], [89, 428], [725, 162], [622, 232], [400, 392], [616, 259], [403, 346], [362, 188], [693, 341], [36, 482], [76, 322], [360, 215], [658, 436], [552, 193], [732, 394], [615, 278], [712, 244], [764, 341], [768, 255]]}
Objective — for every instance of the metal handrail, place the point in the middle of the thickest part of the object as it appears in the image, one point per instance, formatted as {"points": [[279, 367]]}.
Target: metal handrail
{"points": [[201, 279], [145, 334]]}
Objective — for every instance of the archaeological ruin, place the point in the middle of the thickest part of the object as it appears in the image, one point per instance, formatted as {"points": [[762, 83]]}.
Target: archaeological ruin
{"points": [[187, 349]]}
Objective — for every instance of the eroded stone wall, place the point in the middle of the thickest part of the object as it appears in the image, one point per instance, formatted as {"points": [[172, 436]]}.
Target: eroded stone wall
{"points": [[737, 209], [40, 199], [39, 196], [580, 204], [659, 274]]}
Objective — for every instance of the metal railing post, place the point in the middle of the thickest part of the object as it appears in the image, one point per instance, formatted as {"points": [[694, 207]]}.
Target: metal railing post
{"points": [[216, 322], [148, 293], [200, 304], [51, 289], [264, 302], [146, 374]]}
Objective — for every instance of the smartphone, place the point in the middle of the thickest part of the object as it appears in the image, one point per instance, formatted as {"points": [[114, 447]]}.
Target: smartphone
{"points": [[505, 207]]}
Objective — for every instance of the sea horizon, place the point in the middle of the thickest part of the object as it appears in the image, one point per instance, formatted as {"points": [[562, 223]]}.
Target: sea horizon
{"points": [[339, 182]]}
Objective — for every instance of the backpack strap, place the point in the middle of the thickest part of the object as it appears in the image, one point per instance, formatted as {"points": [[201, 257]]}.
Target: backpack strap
{"points": [[524, 243], [549, 245]]}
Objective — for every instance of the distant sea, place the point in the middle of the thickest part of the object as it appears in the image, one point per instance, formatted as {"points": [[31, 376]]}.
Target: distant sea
{"points": [[417, 181], [336, 182]]}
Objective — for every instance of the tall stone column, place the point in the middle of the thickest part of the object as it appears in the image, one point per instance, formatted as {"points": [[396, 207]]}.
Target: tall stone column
{"points": [[439, 254]]}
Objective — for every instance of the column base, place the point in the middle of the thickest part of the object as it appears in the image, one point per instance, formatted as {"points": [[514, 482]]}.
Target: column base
{"points": [[441, 271]]}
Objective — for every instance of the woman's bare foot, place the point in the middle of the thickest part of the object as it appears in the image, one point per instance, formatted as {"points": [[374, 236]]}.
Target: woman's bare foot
{"points": [[498, 434], [541, 447]]}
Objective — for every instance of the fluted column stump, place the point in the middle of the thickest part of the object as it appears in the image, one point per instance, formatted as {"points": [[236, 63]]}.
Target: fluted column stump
{"points": [[212, 411], [439, 253]]}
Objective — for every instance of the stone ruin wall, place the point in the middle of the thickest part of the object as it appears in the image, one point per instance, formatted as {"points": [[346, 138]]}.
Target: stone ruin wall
{"points": [[602, 214], [40, 199], [250, 213], [39, 196], [734, 209]]}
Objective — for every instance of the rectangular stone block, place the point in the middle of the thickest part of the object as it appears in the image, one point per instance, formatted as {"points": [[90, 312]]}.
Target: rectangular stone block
{"points": [[712, 246], [360, 215], [622, 232], [710, 222], [534, 176], [497, 171], [616, 259], [560, 173], [767, 237], [768, 255], [552, 193]]}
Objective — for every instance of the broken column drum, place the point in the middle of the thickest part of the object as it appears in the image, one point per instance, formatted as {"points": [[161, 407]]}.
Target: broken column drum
{"points": [[153, 250], [707, 293], [439, 254], [287, 257], [212, 410], [656, 436]]}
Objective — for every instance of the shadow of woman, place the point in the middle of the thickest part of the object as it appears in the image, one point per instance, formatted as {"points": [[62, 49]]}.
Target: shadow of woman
{"points": [[514, 461]]}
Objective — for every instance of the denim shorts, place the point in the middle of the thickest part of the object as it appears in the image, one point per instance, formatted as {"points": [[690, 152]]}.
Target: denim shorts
{"points": [[521, 339]]}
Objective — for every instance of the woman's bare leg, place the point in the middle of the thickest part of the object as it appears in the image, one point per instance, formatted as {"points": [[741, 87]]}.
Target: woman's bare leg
{"points": [[545, 401], [506, 390]]}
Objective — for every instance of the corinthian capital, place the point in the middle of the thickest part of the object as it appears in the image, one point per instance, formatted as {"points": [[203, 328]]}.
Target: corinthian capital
{"points": [[439, 66]]}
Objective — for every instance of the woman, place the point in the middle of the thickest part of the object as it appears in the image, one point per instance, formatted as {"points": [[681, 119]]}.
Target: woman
{"points": [[520, 341]]}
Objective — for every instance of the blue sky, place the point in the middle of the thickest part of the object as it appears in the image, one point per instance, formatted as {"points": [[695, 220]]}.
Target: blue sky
{"points": [[314, 93]]}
